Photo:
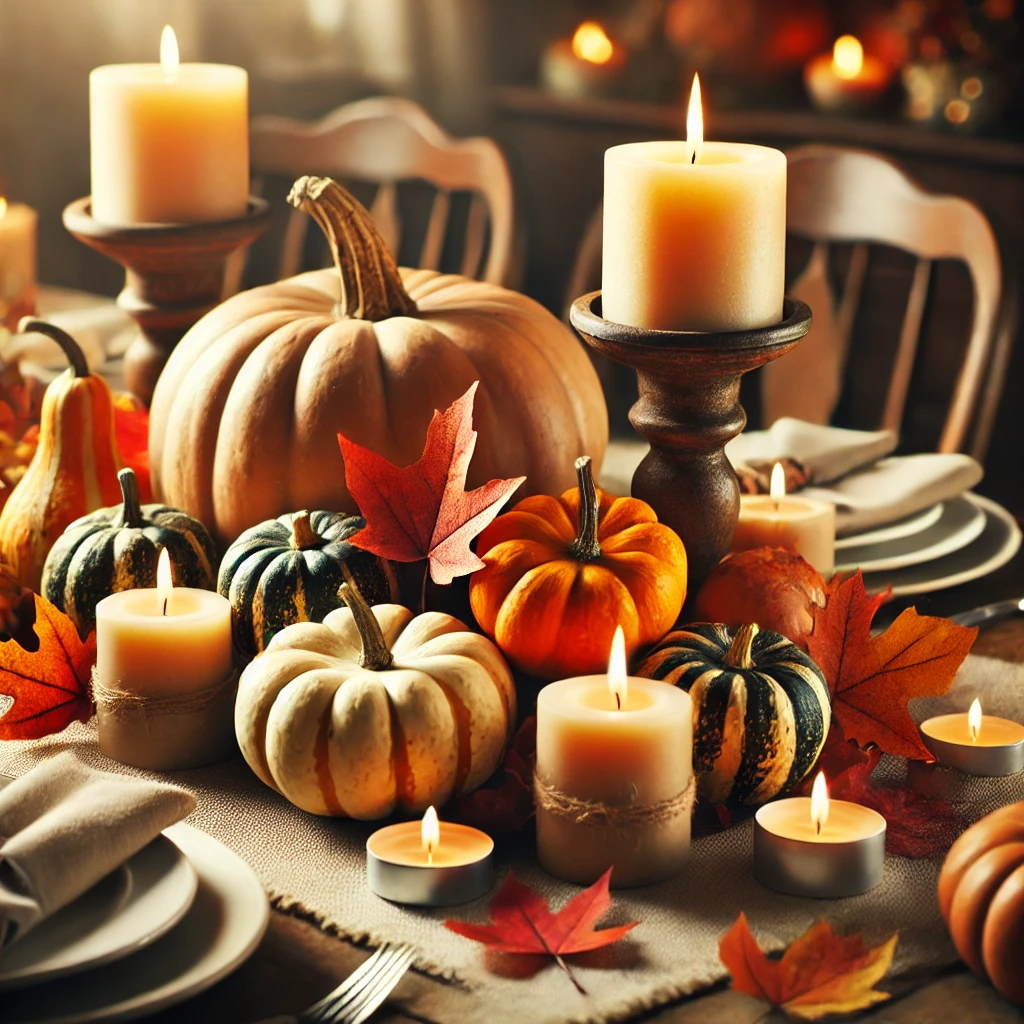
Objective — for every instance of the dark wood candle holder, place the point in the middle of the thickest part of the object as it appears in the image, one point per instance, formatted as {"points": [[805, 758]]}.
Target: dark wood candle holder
{"points": [[174, 273], [689, 407]]}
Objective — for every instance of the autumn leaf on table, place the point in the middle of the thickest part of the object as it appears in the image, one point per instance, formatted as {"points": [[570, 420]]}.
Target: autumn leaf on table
{"points": [[872, 678], [819, 974], [522, 922], [423, 510], [48, 690]]}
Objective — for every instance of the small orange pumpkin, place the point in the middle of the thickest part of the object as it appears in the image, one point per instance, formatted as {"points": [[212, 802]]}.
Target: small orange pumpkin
{"points": [[561, 573], [981, 893], [75, 466]]}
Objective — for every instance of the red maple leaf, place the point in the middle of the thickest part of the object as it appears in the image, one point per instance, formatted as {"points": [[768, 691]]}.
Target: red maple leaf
{"points": [[423, 510], [131, 427], [872, 678], [47, 690], [821, 973], [522, 922]]}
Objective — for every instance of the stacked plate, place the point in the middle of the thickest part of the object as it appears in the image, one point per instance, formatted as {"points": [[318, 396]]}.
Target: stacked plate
{"points": [[179, 916], [945, 545]]}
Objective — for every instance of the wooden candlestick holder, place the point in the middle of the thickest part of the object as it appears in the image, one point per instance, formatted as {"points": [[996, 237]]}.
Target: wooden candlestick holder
{"points": [[689, 408], [174, 273]]}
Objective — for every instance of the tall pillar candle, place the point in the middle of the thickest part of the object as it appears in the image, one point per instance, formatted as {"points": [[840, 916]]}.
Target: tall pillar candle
{"points": [[17, 262], [694, 233], [164, 675], [614, 776], [169, 141]]}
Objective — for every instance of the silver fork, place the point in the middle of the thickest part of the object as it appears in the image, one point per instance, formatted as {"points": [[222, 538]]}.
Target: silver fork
{"points": [[355, 999]]}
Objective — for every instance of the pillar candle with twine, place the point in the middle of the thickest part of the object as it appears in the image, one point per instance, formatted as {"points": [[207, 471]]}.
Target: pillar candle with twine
{"points": [[614, 778]]}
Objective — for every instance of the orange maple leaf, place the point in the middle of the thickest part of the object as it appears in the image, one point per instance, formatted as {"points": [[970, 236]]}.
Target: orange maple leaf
{"points": [[820, 973], [423, 510], [47, 690], [872, 678]]}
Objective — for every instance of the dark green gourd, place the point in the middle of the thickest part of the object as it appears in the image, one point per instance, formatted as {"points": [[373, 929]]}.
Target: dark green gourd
{"points": [[289, 570], [761, 708], [117, 548]]}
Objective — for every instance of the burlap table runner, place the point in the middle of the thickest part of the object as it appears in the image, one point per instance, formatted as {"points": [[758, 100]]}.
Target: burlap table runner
{"points": [[317, 867]]}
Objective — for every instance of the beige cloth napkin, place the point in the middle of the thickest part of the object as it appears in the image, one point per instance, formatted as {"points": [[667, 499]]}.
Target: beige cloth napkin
{"points": [[63, 826], [827, 453], [895, 488]]}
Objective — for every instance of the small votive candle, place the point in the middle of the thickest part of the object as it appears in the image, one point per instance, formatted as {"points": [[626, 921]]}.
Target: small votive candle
{"points": [[975, 743], [613, 782], [777, 520], [430, 863], [813, 846]]}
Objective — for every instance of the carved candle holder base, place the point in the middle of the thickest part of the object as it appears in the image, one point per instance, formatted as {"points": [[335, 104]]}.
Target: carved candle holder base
{"points": [[689, 407], [174, 273]]}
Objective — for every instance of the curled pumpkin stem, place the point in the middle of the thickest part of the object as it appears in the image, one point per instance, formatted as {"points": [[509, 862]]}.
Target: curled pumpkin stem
{"points": [[376, 655], [371, 286], [585, 548], [738, 655], [303, 534], [68, 345]]}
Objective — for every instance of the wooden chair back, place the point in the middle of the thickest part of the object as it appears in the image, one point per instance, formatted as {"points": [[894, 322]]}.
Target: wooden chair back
{"points": [[386, 140], [837, 195]]}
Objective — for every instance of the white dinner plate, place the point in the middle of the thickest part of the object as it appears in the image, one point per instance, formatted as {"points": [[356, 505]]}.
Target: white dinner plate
{"points": [[998, 543], [100, 927], [224, 925], [893, 531], [961, 522]]}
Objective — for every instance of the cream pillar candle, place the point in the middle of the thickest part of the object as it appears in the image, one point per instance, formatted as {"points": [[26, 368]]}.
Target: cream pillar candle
{"points": [[163, 665], [805, 527], [613, 777], [17, 262], [170, 141], [694, 233]]}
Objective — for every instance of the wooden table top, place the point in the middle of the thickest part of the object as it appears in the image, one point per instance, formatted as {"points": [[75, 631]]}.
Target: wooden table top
{"points": [[297, 963]]}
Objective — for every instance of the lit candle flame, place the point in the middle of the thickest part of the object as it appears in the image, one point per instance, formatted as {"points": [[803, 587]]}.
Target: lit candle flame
{"points": [[3, 207], [430, 833], [164, 583], [617, 678], [168, 50], [777, 487], [847, 57], [694, 123], [974, 720], [590, 42], [819, 803]]}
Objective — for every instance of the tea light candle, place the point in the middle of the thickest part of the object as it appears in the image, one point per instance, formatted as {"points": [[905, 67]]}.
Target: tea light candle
{"points": [[17, 262], [818, 847], [430, 863], [589, 64], [846, 78], [975, 743], [169, 141], [800, 525], [694, 233], [614, 777], [163, 665]]}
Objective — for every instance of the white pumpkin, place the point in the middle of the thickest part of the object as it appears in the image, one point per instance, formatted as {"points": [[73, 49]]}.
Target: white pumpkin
{"points": [[375, 709]]}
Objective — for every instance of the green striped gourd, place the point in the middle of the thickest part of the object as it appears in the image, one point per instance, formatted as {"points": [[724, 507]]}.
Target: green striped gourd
{"points": [[117, 548], [761, 708], [289, 570]]}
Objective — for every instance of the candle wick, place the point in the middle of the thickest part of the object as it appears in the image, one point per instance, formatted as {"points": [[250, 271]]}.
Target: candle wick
{"points": [[618, 701], [430, 856], [693, 159], [818, 826], [165, 606]]}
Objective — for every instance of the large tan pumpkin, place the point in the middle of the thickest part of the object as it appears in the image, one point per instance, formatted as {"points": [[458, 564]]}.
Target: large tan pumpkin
{"points": [[246, 414], [374, 709]]}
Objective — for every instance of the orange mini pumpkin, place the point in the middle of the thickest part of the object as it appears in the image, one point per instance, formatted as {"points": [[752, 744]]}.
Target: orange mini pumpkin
{"points": [[561, 573]]}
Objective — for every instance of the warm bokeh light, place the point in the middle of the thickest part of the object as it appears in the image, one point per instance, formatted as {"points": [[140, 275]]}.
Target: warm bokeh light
{"points": [[168, 49], [164, 583], [590, 42], [3, 207], [847, 57], [974, 720], [819, 802], [694, 123], [430, 833], [617, 676], [777, 486]]}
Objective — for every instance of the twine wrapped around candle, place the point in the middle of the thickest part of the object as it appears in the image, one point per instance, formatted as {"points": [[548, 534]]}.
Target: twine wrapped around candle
{"points": [[125, 703], [621, 817]]}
